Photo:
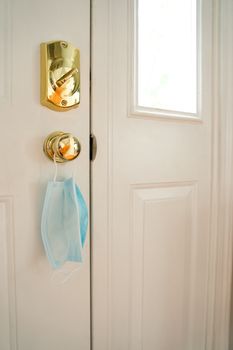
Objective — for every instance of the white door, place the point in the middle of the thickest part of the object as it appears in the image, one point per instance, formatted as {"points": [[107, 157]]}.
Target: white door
{"points": [[36, 311], [161, 226]]}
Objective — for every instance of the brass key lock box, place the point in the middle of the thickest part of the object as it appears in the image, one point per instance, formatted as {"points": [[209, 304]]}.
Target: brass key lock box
{"points": [[60, 75]]}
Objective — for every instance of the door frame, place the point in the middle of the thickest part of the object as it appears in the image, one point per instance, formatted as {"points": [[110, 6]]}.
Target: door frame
{"points": [[221, 254], [220, 262]]}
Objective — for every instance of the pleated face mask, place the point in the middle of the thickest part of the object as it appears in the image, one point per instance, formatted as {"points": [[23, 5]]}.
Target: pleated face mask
{"points": [[64, 223]]}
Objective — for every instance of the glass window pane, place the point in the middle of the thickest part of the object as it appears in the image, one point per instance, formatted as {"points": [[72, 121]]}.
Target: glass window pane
{"points": [[167, 55]]}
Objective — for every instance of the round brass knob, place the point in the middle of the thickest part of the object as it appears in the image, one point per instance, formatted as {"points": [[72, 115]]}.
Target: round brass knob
{"points": [[61, 145]]}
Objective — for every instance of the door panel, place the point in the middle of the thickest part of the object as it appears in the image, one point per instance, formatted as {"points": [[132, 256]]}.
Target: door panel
{"points": [[151, 233], [164, 266], [36, 311]]}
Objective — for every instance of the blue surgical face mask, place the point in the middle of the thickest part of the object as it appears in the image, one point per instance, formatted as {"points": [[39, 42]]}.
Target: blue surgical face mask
{"points": [[64, 222]]}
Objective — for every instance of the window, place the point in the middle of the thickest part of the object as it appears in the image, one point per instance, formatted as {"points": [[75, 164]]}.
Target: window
{"points": [[167, 55]]}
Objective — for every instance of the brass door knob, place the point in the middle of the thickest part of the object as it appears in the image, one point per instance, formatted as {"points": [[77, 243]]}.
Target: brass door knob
{"points": [[61, 145]]}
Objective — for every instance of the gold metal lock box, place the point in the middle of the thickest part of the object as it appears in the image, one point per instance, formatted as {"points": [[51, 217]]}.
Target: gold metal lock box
{"points": [[60, 75]]}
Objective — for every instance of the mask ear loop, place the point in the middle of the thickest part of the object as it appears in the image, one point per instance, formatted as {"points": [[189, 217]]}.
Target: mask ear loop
{"points": [[67, 275], [74, 169], [55, 165]]}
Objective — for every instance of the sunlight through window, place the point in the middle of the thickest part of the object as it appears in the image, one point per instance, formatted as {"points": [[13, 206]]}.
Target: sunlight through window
{"points": [[167, 55]]}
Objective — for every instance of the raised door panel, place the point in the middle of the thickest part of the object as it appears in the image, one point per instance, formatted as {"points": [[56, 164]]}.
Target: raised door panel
{"points": [[8, 331], [165, 283]]}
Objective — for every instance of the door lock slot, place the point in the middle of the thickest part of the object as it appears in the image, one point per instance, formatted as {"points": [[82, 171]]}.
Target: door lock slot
{"points": [[93, 147]]}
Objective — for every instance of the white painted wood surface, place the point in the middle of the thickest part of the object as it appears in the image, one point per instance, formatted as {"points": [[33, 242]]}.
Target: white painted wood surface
{"points": [[35, 312], [162, 191], [161, 265]]}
